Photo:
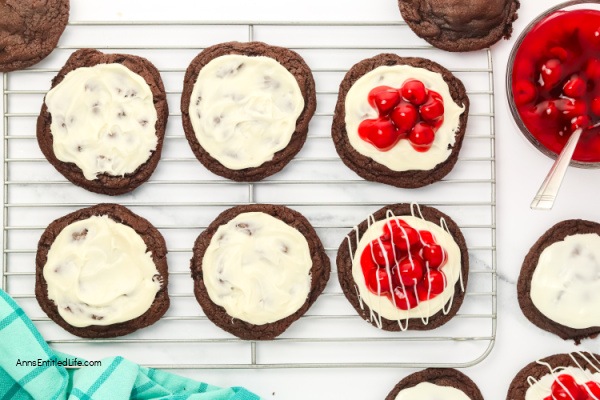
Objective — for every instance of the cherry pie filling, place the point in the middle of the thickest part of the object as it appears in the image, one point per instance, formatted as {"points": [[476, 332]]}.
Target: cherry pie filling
{"points": [[565, 387], [405, 265], [412, 113]]}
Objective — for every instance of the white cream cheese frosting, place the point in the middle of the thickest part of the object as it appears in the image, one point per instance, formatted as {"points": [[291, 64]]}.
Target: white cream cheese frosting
{"points": [[541, 389], [99, 272], [402, 156], [565, 285], [103, 120], [383, 306], [258, 268], [244, 109], [430, 391]]}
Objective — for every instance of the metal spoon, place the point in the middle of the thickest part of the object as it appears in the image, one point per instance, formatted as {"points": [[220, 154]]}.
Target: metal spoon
{"points": [[544, 199]]}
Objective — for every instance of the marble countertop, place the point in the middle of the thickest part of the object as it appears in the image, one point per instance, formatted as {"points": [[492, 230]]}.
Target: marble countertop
{"points": [[519, 170]]}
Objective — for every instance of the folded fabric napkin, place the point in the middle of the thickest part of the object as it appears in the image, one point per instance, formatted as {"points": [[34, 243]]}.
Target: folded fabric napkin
{"points": [[30, 369]]}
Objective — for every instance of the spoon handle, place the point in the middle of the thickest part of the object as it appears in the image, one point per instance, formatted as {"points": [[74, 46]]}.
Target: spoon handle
{"points": [[544, 199]]}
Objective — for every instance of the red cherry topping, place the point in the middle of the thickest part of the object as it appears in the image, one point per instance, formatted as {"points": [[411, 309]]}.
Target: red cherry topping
{"points": [[551, 73], [382, 252], [571, 108], [384, 99], [410, 270], [583, 121], [593, 388], [432, 285], [560, 53], [414, 91], [422, 136], [405, 299], [381, 133], [435, 255], [592, 69], [405, 116], [404, 264], [596, 106], [433, 109], [524, 92], [565, 387], [575, 87]]}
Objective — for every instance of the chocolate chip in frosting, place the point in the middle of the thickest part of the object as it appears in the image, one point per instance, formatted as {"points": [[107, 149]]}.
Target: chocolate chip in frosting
{"points": [[270, 83], [97, 317], [244, 227], [77, 236]]}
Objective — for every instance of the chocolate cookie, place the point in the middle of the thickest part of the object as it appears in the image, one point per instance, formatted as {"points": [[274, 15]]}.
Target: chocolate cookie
{"points": [[154, 244], [556, 234], [440, 377], [29, 31], [534, 373], [401, 285], [442, 154], [105, 182], [287, 265], [459, 25], [239, 156]]}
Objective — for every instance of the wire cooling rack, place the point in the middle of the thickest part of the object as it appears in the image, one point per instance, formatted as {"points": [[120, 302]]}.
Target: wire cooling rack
{"points": [[182, 198]]}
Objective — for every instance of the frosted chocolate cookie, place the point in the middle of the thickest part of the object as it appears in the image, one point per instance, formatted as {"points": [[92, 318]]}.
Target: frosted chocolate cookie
{"points": [[460, 25], [102, 272], [561, 376], [29, 31], [246, 108], [436, 383], [102, 124], [258, 268], [559, 283], [400, 121], [405, 267]]}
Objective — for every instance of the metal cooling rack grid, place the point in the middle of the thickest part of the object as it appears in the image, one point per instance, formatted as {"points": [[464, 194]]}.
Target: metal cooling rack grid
{"points": [[181, 191]]}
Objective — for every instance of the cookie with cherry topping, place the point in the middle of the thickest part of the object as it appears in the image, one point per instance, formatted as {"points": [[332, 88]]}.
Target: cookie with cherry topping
{"points": [[29, 31], [318, 273], [561, 386], [460, 25], [155, 244], [415, 115], [555, 234], [106, 183], [426, 285], [287, 58], [440, 377]]}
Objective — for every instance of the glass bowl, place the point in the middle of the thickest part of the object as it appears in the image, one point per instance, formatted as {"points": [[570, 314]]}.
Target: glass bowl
{"points": [[566, 6]]}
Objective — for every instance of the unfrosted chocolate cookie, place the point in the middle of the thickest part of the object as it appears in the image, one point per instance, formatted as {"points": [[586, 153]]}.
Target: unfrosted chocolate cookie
{"points": [[96, 269], [264, 263], [439, 377], [396, 292], [242, 111], [460, 25], [400, 162], [115, 137], [587, 273], [29, 31], [545, 371]]}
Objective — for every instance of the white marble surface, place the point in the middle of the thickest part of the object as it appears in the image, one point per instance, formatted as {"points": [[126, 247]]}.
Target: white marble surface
{"points": [[520, 169]]}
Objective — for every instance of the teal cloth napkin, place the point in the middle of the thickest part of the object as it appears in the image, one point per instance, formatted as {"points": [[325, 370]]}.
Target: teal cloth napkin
{"points": [[116, 379]]}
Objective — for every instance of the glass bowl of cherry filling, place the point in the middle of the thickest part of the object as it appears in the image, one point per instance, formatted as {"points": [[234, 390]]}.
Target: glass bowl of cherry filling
{"points": [[553, 81]]}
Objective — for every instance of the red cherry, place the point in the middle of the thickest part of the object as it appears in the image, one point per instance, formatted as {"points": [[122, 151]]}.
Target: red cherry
{"points": [[592, 69], [432, 285], [524, 92], [392, 226], [404, 116], [596, 106], [547, 109], [410, 270], [381, 251], [565, 387], [435, 255], [381, 133], [593, 388], [421, 136], [384, 99], [575, 87], [367, 263], [551, 73], [560, 53], [432, 109], [404, 299], [427, 238], [571, 108], [414, 91], [378, 282], [404, 237], [582, 121]]}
